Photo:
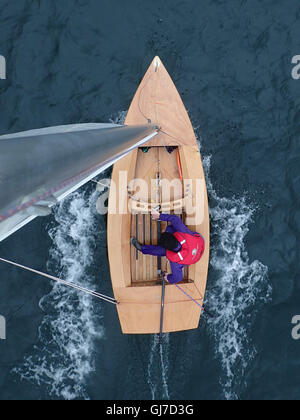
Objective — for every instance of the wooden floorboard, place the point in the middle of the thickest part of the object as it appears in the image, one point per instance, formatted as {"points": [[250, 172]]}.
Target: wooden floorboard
{"points": [[145, 268]]}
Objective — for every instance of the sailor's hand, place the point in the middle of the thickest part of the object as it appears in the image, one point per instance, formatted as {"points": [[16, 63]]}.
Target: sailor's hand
{"points": [[155, 215]]}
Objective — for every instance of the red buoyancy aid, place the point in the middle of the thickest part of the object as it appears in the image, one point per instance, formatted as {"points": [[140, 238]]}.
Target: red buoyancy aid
{"points": [[193, 247]]}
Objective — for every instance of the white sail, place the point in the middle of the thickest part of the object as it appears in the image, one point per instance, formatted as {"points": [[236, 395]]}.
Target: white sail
{"points": [[39, 168]]}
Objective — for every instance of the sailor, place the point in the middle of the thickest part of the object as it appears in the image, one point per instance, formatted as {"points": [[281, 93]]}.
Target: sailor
{"points": [[181, 246]]}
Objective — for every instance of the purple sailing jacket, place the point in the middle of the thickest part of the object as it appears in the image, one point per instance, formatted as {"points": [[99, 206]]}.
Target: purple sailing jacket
{"points": [[176, 225]]}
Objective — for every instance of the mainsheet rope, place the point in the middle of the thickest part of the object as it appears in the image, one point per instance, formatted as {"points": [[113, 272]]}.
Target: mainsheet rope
{"points": [[203, 309]]}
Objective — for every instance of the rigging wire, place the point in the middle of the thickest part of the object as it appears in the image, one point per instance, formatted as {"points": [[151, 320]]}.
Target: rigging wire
{"points": [[203, 309], [91, 292], [65, 283], [100, 183]]}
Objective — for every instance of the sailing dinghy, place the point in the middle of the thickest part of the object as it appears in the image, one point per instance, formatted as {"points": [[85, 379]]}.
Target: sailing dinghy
{"points": [[39, 168], [171, 155]]}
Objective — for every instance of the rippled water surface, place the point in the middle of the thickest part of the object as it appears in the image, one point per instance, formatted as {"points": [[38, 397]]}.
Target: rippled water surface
{"points": [[81, 61]]}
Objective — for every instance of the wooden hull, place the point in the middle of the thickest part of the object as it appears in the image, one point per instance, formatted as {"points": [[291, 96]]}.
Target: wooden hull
{"points": [[135, 276]]}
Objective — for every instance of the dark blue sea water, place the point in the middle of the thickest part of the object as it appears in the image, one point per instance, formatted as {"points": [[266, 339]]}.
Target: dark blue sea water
{"points": [[81, 61]]}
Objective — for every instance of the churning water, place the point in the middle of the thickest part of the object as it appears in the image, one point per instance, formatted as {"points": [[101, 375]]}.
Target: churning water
{"points": [[63, 357], [240, 286]]}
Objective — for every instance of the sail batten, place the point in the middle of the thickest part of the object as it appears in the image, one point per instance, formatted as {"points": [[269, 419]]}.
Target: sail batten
{"points": [[54, 162]]}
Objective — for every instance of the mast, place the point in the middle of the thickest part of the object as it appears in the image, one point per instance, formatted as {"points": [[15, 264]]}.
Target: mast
{"points": [[39, 168]]}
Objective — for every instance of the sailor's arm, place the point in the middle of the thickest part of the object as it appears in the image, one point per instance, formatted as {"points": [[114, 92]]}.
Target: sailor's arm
{"points": [[177, 275], [176, 222]]}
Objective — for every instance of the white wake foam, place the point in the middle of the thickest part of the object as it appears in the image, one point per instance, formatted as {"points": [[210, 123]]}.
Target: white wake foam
{"points": [[159, 355], [63, 357], [239, 288]]}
